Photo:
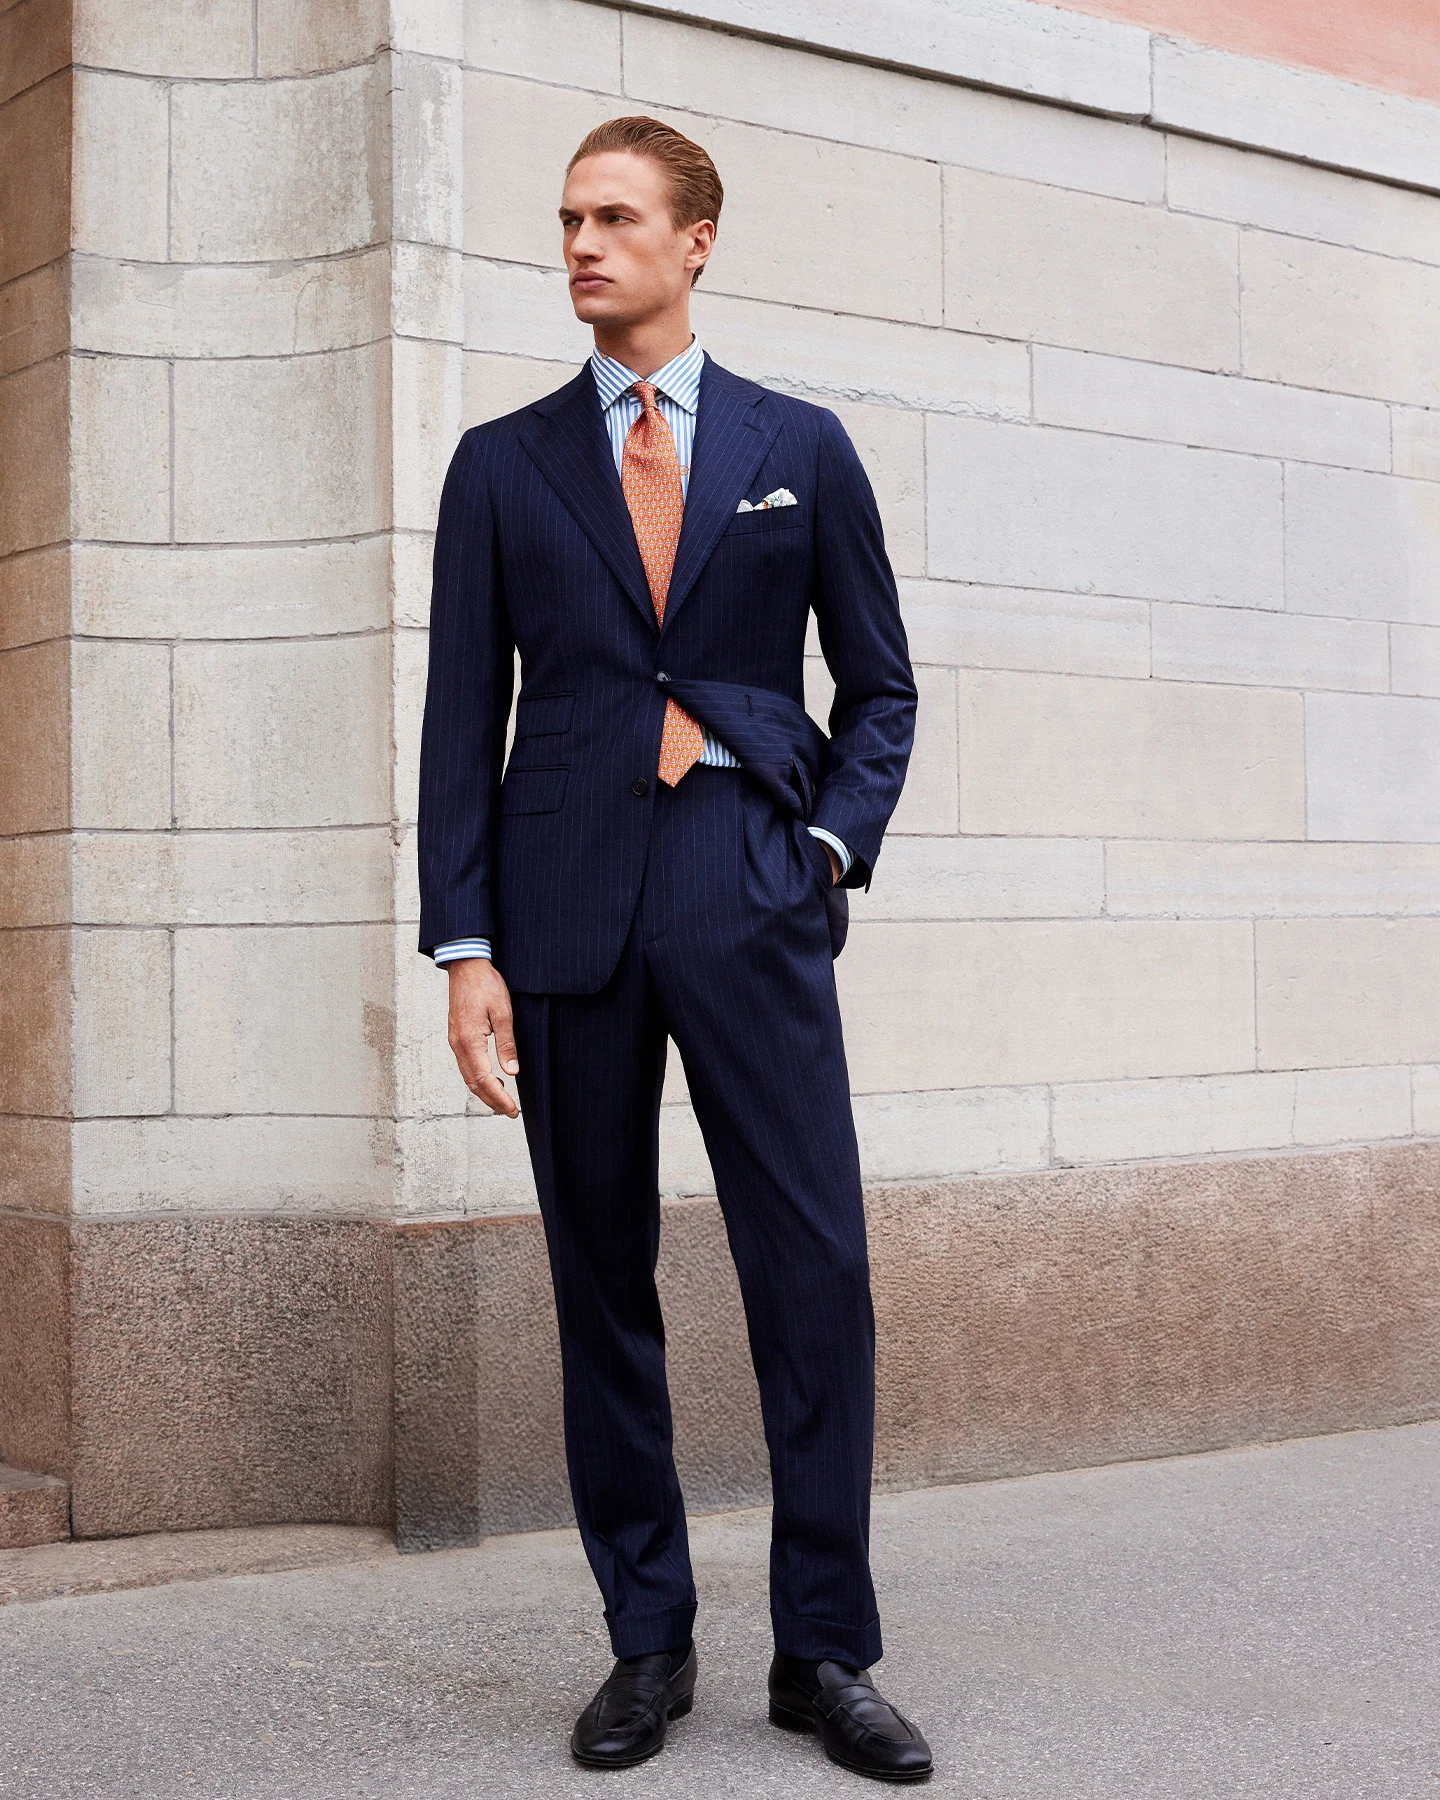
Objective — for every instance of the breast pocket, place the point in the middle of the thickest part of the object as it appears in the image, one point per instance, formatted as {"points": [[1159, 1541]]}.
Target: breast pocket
{"points": [[543, 715], [767, 519], [533, 790]]}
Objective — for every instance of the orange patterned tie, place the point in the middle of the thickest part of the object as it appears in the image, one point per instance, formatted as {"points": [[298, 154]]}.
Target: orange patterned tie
{"points": [[650, 477]]}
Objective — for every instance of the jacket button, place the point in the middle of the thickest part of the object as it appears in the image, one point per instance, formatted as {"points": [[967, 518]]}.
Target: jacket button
{"points": [[660, 675], [639, 785]]}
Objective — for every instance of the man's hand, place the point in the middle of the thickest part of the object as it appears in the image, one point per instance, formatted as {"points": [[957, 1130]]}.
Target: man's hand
{"points": [[834, 863], [480, 1007]]}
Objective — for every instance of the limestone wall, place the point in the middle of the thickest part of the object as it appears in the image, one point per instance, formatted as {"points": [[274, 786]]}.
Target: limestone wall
{"points": [[1151, 422]]}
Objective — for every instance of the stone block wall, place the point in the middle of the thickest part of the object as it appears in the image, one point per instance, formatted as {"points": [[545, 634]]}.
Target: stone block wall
{"points": [[1152, 955], [199, 862], [1146, 417]]}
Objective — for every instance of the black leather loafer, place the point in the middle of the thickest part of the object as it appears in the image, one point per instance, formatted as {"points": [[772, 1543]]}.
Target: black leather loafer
{"points": [[626, 1720], [858, 1729]]}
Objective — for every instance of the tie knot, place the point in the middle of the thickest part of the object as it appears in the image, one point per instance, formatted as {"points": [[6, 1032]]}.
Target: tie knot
{"points": [[645, 393]]}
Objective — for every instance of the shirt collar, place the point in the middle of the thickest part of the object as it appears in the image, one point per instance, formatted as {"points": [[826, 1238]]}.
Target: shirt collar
{"points": [[679, 380]]}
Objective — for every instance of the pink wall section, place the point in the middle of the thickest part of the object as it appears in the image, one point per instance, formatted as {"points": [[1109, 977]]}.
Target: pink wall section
{"points": [[1392, 44]]}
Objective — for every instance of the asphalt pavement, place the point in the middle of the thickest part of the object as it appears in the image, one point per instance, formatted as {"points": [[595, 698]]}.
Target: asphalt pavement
{"points": [[1262, 1621]]}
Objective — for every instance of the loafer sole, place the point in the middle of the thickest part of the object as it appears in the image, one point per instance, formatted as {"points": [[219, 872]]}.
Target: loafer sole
{"points": [[789, 1720], [678, 1710]]}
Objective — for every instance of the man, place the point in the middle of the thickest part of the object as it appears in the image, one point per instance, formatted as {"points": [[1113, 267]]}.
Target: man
{"points": [[660, 861]]}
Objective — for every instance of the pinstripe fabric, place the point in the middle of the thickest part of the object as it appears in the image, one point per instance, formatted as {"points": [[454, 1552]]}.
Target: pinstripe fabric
{"points": [[678, 397], [535, 550], [729, 956], [625, 912]]}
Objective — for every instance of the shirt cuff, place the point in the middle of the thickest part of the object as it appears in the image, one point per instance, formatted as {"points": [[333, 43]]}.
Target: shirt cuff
{"points": [[825, 837], [458, 949]]}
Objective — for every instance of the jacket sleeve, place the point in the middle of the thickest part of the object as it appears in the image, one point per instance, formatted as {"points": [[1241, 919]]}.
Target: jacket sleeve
{"points": [[872, 720], [467, 708]]}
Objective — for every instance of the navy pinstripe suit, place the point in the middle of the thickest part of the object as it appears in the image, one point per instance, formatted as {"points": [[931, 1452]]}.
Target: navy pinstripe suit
{"points": [[624, 913]]}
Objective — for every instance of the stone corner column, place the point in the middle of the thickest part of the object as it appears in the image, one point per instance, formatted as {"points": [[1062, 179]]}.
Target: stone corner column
{"points": [[229, 385], [36, 113]]}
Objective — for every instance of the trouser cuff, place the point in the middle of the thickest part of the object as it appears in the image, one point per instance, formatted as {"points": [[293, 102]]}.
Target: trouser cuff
{"points": [[647, 1634], [827, 1640]]}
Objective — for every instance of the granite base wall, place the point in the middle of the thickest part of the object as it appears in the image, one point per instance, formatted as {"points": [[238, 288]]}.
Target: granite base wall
{"points": [[230, 1371], [1024, 1322], [190, 1373]]}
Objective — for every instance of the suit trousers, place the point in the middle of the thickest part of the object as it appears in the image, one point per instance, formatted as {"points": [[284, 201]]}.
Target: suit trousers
{"points": [[728, 955]]}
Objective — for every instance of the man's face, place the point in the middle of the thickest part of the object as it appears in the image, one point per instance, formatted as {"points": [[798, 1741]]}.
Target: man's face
{"points": [[626, 258]]}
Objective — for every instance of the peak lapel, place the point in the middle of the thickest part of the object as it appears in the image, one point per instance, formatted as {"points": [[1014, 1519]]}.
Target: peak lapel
{"points": [[733, 431], [564, 436]]}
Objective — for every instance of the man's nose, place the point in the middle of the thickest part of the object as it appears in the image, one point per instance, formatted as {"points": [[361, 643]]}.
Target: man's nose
{"points": [[585, 243]]}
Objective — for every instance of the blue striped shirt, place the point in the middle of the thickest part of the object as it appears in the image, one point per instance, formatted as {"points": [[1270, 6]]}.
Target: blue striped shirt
{"points": [[677, 395]]}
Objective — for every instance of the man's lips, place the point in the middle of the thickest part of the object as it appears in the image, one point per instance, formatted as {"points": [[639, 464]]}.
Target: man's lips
{"points": [[589, 281]]}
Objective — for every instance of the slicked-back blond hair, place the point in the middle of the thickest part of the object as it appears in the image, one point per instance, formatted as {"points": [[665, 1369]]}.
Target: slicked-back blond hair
{"points": [[695, 190]]}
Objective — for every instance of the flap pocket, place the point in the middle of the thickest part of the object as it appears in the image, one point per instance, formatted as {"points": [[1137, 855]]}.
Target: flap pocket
{"points": [[770, 518], [533, 790], [538, 715]]}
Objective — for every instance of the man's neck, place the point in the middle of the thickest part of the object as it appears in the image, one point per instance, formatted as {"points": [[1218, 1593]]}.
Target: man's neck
{"points": [[645, 348]]}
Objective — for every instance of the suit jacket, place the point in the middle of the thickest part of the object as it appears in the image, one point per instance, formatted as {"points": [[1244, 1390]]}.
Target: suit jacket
{"points": [[535, 550]]}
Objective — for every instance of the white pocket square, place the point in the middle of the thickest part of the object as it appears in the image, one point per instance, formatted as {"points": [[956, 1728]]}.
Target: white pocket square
{"points": [[780, 497]]}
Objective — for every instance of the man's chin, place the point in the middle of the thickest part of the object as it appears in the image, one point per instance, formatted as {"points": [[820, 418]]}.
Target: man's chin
{"points": [[603, 308]]}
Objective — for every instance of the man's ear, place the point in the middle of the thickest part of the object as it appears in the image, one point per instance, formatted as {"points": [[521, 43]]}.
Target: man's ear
{"points": [[702, 242]]}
